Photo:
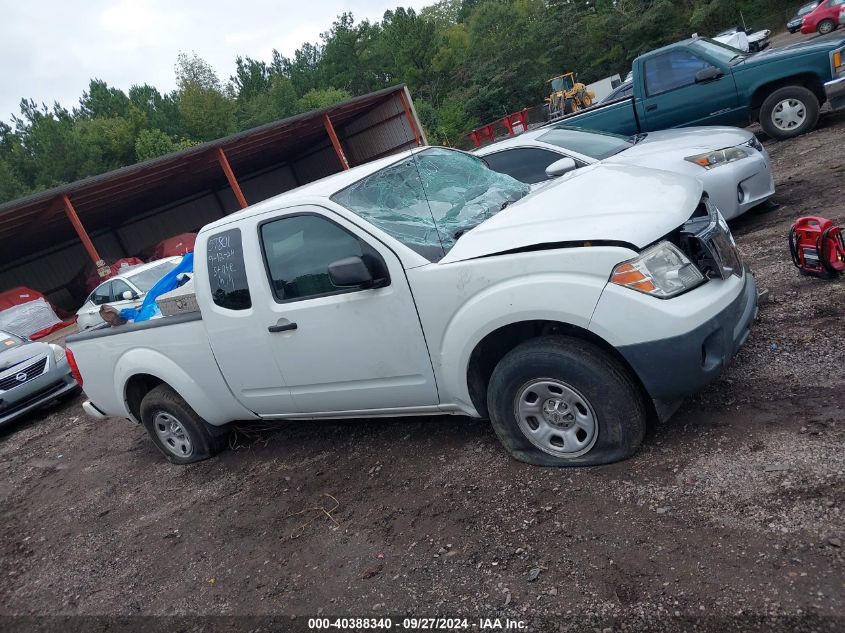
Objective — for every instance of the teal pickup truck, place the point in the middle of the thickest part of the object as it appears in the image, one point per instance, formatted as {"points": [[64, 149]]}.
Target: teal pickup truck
{"points": [[702, 82]]}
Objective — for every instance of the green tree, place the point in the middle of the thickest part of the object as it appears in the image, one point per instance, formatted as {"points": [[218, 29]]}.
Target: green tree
{"points": [[152, 144], [206, 113], [316, 99]]}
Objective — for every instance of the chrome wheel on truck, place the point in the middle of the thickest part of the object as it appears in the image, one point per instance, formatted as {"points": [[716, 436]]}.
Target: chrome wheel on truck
{"points": [[789, 114], [172, 435], [556, 418], [789, 111]]}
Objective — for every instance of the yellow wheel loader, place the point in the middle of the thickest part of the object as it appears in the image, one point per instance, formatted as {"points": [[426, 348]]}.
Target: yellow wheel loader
{"points": [[567, 96]]}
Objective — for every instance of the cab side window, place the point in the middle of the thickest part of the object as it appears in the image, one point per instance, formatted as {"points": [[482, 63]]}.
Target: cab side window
{"points": [[527, 165], [298, 250], [671, 70], [102, 294]]}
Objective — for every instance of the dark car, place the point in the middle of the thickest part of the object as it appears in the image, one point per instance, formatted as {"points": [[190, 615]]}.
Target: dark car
{"points": [[794, 25], [32, 374]]}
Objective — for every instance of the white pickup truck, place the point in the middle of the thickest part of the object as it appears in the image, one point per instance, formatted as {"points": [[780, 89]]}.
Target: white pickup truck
{"points": [[426, 283]]}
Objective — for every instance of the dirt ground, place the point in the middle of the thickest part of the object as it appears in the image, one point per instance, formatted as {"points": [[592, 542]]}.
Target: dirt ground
{"points": [[732, 515]]}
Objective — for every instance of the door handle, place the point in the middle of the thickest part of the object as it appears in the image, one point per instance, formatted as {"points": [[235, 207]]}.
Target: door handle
{"points": [[651, 108], [282, 328]]}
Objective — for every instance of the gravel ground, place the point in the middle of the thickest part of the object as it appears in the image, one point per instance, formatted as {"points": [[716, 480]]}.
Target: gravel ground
{"points": [[731, 517]]}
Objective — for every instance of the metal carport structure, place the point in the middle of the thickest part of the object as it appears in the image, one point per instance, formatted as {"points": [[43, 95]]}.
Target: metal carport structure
{"points": [[47, 236]]}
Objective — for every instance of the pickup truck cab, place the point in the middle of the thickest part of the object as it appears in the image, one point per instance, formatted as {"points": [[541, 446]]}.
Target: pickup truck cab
{"points": [[426, 283], [703, 82]]}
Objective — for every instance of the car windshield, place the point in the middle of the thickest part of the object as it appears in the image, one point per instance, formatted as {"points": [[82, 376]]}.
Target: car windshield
{"points": [[807, 8], [590, 143], [722, 52], [146, 279], [431, 198], [9, 340]]}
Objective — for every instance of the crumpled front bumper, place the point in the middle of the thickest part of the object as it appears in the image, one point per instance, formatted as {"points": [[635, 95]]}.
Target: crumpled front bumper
{"points": [[835, 91], [675, 367]]}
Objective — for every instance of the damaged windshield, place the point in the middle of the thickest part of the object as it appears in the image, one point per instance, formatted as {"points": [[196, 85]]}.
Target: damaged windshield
{"points": [[428, 200]]}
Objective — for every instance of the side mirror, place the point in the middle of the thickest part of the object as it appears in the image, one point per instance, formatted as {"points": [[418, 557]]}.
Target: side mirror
{"points": [[560, 167], [708, 74], [128, 295], [350, 272]]}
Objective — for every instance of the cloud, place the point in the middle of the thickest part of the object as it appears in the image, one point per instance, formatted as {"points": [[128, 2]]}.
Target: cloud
{"points": [[51, 49]]}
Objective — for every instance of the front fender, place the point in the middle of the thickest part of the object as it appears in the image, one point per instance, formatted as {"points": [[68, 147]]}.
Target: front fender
{"points": [[561, 297], [203, 388]]}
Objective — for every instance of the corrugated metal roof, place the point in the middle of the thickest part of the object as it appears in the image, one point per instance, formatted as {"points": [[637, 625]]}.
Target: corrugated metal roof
{"points": [[36, 221]]}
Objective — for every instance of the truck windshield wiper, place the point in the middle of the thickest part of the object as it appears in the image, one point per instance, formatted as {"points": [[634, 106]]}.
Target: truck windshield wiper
{"points": [[640, 136]]}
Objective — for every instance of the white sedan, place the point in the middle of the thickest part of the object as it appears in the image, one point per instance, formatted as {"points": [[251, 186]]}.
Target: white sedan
{"points": [[731, 163], [126, 290]]}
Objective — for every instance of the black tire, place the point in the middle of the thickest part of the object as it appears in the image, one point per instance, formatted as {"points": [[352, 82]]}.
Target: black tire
{"points": [[602, 381], [798, 93], [826, 26], [162, 402]]}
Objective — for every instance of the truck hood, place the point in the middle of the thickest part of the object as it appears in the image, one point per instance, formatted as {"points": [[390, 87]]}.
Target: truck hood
{"points": [[789, 52], [680, 143], [614, 203]]}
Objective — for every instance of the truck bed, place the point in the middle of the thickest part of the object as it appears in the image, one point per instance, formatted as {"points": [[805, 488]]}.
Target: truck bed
{"points": [[172, 349], [618, 116]]}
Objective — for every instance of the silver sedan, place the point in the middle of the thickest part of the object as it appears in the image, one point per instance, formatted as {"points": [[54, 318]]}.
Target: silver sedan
{"points": [[731, 163], [32, 374]]}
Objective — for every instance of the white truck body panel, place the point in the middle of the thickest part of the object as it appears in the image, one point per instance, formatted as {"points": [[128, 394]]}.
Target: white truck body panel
{"points": [[405, 348]]}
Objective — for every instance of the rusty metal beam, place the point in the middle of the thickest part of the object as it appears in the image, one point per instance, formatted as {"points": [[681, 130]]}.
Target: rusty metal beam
{"points": [[80, 230], [410, 117], [327, 123], [230, 176]]}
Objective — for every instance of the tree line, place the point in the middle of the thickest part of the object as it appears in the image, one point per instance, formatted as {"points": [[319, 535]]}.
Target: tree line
{"points": [[466, 62]]}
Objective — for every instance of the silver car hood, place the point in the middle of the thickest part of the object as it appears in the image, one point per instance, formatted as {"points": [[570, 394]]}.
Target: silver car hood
{"points": [[667, 146], [22, 353]]}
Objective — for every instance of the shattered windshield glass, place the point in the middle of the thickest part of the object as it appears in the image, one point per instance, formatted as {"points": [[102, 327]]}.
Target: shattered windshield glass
{"points": [[428, 200]]}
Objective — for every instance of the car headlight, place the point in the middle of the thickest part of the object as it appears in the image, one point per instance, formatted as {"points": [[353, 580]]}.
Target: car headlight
{"points": [[710, 160], [58, 354], [661, 271], [755, 143]]}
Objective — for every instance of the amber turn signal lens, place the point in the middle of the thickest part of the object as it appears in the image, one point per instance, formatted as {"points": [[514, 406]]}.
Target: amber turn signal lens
{"points": [[627, 275]]}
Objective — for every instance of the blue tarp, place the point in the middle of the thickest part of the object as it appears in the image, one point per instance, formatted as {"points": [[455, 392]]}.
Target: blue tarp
{"points": [[170, 281]]}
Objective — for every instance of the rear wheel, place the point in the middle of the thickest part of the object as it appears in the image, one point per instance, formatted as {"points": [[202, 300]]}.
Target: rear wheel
{"points": [[559, 401], [788, 112], [177, 431], [826, 26]]}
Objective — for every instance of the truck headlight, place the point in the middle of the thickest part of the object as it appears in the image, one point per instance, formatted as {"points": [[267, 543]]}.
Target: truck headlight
{"points": [[662, 271], [719, 157], [58, 354]]}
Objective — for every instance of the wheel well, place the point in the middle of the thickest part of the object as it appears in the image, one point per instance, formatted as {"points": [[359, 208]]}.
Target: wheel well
{"points": [[807, 80], [493, 347], [136, 388]]}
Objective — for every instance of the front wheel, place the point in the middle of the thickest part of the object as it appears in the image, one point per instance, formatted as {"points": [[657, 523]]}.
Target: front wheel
{"points": [[559, 401], [788, 112], [177, 431], [825, 27]]}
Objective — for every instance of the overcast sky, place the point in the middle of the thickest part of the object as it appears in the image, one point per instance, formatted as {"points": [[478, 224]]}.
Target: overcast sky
{"points": [[51, 48]]}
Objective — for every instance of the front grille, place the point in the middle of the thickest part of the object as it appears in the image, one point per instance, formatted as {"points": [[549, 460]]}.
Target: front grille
{"points": [[23, 375], [707, 241]]}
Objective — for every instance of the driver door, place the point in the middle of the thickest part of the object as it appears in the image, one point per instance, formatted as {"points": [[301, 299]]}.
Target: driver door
{"points": [[674, 99], [340, 349]]}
